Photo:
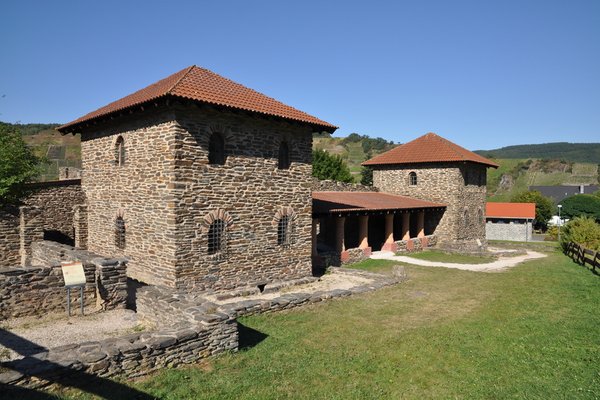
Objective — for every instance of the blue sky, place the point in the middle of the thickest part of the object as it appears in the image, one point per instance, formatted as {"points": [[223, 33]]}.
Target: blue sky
{"points": [[483, 74]]}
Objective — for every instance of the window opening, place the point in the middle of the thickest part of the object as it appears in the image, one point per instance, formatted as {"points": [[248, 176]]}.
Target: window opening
{"points": [[412, 178], [120, 232], [217, 239], [284, 156], [120, 151], [216, 149]]}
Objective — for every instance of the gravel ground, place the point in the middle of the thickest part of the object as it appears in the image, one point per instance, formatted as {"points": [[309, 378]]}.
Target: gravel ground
{"points": [[31, 335], [500, 264], [325, 283]]}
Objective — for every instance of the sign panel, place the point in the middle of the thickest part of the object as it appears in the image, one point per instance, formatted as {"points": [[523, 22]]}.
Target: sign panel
{"points": [[73, 273]]}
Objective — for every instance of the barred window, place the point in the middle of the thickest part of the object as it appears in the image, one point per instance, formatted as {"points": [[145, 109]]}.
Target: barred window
{"points": [[217, 239], [284, 156], [120, 151], [216, 149], [120, 232], [285, 231], [412, 179]]}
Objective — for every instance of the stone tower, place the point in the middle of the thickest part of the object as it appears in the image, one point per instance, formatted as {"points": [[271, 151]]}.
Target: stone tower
{"points": [[435, 169], [202, 183]]}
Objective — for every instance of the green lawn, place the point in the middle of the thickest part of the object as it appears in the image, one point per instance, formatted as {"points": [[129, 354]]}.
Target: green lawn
{"points": [[531, 332]]}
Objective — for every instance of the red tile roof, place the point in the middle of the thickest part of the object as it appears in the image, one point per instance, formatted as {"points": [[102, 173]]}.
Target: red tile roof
{"points": [[510, 210], [200, 84], [426, 149], [327, 202]]}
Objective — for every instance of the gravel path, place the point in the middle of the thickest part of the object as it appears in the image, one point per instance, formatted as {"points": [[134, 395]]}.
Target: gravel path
{"points": [[500, 264], [30, 335]]}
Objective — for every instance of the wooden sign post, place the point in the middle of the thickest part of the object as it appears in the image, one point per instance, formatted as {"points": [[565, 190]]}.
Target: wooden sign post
{"points": [[74, 276]]}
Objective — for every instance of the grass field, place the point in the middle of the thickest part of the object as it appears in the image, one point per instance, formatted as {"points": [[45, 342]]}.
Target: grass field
{"points": [[529, 333]]}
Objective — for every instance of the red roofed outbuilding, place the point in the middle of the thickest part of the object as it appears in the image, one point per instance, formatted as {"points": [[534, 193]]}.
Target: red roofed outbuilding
{"points": [[509, 221]]}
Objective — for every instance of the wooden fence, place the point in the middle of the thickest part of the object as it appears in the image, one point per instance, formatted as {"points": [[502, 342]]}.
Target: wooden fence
{"points": [[583, 256]]}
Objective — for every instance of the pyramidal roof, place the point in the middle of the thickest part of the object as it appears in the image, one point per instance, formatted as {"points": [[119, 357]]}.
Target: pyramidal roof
{"points": [[202, 85], [427, 149]]}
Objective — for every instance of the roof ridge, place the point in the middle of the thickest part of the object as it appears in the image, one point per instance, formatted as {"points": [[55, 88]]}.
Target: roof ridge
{"points": [[189, 69]]}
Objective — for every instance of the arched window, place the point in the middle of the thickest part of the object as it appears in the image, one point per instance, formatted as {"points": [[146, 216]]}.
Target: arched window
{"points": [[120, 232], [284, 221], [285, 231], [120, 151], [217, 238], [216, 149], [412, 179], [466, 217], [284, 156]]}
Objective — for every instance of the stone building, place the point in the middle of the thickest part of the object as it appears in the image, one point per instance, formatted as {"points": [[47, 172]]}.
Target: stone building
{"points": [[200, 182], [434, 169], [509, 221]]}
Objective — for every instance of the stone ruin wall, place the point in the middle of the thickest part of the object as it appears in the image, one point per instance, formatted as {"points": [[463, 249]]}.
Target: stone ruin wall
{"points": [[335, 186], [50, 207], [39, 289], [462, 186], [10, 236], [140, 191], [251, 190]]}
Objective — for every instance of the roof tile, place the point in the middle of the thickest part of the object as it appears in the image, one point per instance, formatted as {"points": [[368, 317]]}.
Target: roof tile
{"points": [[426, 149], [200, 84], [326, 202], [510, 210]]}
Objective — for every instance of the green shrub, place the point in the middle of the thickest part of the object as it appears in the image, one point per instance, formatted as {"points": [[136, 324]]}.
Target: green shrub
{"points": [[581, 230], [551, 234]]}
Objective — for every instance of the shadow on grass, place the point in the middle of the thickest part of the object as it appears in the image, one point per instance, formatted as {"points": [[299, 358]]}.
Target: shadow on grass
{"points": [[248, 337], [35, 365]]}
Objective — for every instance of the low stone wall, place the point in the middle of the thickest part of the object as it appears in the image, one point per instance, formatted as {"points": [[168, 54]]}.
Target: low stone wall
{"points": [[355, 255], [335, 186], [38, 290], [189, 328], [129, 356], [416, 244]]}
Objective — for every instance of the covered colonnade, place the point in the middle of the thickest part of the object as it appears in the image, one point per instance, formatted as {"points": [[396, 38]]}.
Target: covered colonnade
{"points": [[368, 221]]}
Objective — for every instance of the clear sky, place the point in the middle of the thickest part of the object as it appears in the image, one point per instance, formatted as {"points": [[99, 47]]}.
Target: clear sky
{"points": [[481, 73]]}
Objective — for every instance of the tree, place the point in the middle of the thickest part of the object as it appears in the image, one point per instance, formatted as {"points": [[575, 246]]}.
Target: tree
{"points": [[366, 176], [583, 231], [330, 166], [581, 205], [18, 165], [544, 206]]}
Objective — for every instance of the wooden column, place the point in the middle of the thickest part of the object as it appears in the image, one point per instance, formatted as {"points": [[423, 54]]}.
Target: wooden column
{"points": [[339, 234], [390, 244], [315, 222], [363, 231], [421, 224], [406, 226]]}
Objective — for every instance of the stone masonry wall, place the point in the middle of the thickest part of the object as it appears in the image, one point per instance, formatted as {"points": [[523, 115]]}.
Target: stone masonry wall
{"points": [[335, 186], [140, 191], [37, 290], [462, 186], [9, 236], [517, 230], [56, 201], [249, 191], [166, 192]]}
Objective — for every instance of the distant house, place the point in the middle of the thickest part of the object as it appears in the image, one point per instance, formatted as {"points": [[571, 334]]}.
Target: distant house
{"points": [[561, 192], [509, 221]]}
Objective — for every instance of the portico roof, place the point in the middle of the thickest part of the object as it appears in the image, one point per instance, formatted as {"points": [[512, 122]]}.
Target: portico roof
{"points": [[344, 202]]}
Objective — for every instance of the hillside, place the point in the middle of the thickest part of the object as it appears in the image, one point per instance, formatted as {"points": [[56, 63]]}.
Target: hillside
{"points": [[56, 149], [516, 175], [574, 152], [354, 149]]}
